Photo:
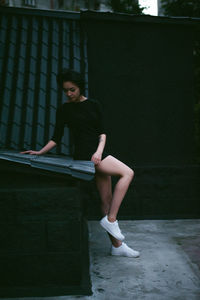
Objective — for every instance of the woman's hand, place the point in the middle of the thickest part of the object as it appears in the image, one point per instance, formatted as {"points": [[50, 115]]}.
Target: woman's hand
{"points": [[96, 158], [31, 152], [42, 151]]}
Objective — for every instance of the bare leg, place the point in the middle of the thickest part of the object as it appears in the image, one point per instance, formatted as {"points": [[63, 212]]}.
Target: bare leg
{"points": [[112, 166], [104, 187], [110, 205]]}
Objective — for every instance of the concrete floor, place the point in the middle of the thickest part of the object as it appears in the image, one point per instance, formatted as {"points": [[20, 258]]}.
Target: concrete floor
{"points": [[168, 268]]}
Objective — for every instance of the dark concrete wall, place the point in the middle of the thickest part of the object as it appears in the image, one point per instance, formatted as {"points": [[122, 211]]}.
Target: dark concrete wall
{"points": [[43, 234], [141, 69], [142, 72], [156, 193]]}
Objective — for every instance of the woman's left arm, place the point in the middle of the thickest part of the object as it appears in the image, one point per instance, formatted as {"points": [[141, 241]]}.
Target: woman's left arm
{"points": [[96, 157]]}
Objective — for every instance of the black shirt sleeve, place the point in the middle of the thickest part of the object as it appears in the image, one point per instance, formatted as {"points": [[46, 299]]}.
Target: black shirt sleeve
{"points": [[59, 126], [101, 118]]}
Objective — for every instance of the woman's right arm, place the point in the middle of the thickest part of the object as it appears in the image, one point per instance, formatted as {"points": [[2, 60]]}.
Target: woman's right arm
{"points": [[56, 138], [51, 144]]}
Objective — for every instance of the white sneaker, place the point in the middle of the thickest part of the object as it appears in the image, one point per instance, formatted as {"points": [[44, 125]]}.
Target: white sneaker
{"points": [[124, 250], [112, 228]]}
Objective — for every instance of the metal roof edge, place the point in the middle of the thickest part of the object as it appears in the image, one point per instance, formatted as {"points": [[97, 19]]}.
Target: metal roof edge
{"points": [[122, 17], [80, 169], [41, 12], [98, 15]]}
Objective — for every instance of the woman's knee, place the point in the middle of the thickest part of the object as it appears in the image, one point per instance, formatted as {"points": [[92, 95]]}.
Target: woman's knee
{"points": [[129, 174]]}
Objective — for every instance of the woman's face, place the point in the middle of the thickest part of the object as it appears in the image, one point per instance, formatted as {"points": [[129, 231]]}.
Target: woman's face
{"points": [[72, 91]]}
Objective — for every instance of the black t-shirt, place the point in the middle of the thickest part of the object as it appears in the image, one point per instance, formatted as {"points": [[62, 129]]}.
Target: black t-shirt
{"points": [[84, 120]]}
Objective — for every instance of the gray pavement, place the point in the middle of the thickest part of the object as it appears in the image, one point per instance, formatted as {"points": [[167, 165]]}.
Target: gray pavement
{"points": [[168, 268]]}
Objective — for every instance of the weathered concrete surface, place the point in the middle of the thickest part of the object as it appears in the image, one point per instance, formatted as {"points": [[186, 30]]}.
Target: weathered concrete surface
{"points": [[167, 269], [164, 270]]}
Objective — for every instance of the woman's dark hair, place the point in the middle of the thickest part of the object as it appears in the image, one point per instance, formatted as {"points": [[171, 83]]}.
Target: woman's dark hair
{"points": [[70, 75]]}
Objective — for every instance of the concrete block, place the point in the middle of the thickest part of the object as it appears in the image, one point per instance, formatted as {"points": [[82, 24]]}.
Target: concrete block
{"points": [[22, 237], [64, 236], [40, 269]]}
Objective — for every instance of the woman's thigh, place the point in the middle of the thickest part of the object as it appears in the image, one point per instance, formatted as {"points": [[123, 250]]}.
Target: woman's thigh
{"points": [[112, 166]]}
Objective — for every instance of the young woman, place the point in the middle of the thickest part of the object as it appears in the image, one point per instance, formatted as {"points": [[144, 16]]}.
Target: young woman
{"points": [[83, 116]]}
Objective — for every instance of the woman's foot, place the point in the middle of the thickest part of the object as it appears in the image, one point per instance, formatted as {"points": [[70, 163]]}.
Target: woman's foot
{"points": [[112, 228], [124, 250]]}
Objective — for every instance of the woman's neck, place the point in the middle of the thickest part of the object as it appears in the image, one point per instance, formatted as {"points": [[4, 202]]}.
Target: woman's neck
{"points": [[82, 98]]}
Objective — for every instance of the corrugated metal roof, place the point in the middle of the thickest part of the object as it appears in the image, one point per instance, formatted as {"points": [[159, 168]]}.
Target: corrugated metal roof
{"points": [[78, 168], [34, 46]]}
